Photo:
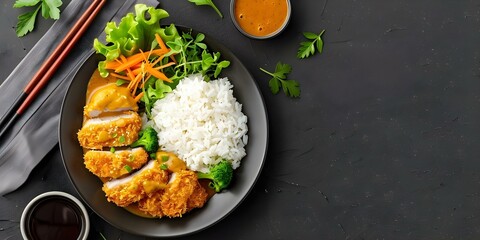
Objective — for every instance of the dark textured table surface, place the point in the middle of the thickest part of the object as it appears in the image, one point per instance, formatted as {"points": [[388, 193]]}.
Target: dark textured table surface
{"points": [[383, 143]]}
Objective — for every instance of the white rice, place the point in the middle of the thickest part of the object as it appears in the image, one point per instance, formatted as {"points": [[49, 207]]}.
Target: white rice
{"points": [[202, 123]]}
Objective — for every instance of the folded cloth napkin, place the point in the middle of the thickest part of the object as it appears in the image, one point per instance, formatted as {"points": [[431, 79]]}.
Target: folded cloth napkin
{"points": [[36, 131]]}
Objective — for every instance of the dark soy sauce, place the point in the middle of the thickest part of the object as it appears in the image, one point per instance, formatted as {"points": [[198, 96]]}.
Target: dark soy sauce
{"points": [[54, 218]]}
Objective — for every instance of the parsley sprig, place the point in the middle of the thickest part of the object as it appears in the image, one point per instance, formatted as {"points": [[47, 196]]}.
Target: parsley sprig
{"points": [[26, 21], [291, 88], [308, 48], [207, 3]]}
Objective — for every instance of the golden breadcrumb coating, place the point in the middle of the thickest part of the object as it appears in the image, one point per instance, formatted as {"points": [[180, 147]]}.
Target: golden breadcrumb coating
{"points": [[152, 205], [177, 193], [181, 195], [112, 131], [107, 164], [198, 197], [145, 182]]}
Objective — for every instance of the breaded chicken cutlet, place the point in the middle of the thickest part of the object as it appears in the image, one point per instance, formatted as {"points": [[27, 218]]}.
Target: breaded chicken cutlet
{"points": [[198, 197], [182, 194], [111, 131], [145, 182], [109, 98], [107, 164]]}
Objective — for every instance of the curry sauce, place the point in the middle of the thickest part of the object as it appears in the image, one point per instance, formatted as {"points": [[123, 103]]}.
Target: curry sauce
{"points": [[260, 17]]}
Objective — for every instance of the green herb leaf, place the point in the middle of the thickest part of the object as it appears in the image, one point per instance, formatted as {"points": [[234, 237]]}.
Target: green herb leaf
{"points": [[112, 150], [320, 46], [199, 38], [274, 85], [221, 65], [128, 168], [164, 166], [207, 60], [121, 139], [50, 9], [207, 3], [310, 35], [282, 70], [26, 22], [165, 158], [25, 3], [201, 45], [193, 56], [291, 88], [308, 48]]}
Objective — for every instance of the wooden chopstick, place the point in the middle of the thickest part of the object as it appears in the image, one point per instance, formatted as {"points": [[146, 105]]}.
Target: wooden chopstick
{"points": [[50, 66]]}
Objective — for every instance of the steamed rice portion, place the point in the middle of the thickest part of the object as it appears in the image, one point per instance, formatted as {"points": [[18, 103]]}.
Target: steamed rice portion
{"points": [[202, 123]]}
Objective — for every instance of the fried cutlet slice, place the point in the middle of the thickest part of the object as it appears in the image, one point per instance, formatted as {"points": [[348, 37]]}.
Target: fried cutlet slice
{"points": [[198, 197], [110, 98], [178, 191], [111, 131], [143, 183], [181, 195], [152, 205], [107, 164]]}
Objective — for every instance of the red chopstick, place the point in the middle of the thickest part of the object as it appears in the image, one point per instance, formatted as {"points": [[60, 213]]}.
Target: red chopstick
{"points": [[50, 66]]}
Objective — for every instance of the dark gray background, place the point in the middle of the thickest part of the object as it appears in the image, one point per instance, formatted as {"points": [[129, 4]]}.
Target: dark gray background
{"points": [[383, 143]]}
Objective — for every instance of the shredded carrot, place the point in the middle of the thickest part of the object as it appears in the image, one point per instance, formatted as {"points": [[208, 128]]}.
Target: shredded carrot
{"points": [[139, 67], [164, 66], [123, 58], [135, 86], [130, 74], [163, 46], [145, 57], [160, 41], [129, 62], [159, 52], [137, 71], [148, 75], [172, 57], [112, 64], [157, 60], [157, 73], [120, 76], [134, 82], [139, 96]]}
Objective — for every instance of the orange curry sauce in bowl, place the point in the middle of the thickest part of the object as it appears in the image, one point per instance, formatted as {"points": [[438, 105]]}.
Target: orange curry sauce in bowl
{"points": [[260, 19]]}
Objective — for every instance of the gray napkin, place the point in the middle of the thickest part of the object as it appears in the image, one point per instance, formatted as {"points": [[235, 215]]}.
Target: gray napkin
{"points": [[36, 132]]}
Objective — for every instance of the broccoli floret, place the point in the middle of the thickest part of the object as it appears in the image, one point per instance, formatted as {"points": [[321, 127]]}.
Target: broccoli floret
{"points": [[147, 139], [221, 175]]}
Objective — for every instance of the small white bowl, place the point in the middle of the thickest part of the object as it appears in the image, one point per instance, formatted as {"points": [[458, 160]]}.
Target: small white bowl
{"points": [[65, 205], [271, 35]]}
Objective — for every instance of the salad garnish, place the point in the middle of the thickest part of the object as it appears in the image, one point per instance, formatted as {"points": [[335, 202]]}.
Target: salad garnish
{"points": [[152, 58]]}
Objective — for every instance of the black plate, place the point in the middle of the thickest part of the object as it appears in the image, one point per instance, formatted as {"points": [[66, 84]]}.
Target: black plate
{"points": [[89, 186]]}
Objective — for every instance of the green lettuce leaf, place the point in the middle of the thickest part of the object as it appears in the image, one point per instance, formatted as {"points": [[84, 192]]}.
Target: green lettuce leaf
{"points": [[134, 32]]}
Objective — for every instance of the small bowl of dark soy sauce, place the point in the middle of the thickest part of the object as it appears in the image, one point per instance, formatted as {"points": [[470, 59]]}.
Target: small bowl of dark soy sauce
{"points": [[55, 215]]}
